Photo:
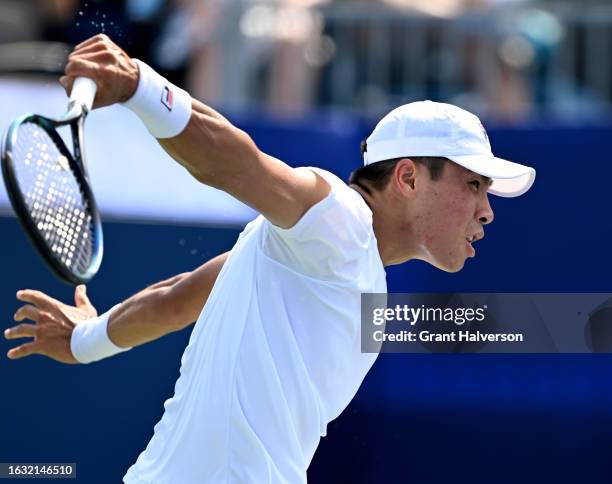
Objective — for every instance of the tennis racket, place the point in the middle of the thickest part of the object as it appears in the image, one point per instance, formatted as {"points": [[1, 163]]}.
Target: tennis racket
{"points": [[49, 189]]}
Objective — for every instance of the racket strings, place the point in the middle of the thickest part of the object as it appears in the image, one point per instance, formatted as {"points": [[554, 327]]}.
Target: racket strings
{"points": [[54, 197]]}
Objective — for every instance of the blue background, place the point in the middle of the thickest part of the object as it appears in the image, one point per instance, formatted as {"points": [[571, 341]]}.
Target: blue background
{"points": [[417, 418]]}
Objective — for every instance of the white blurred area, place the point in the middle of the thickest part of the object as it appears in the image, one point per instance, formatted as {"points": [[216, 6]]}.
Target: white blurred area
{"points": [[133, 179], [448, 8]]}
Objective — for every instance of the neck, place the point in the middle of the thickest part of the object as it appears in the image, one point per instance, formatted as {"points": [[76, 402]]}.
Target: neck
{"points": [[391, 233]]}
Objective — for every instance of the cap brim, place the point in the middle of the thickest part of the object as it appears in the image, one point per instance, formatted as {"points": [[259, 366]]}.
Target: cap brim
{"points": [[509, 179]]}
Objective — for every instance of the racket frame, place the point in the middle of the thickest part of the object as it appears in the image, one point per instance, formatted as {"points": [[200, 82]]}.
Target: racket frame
{"points": [[75, 118]]}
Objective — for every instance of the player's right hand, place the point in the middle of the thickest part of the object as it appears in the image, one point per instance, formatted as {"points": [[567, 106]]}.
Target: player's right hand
{"points": [[100, 59], [54, 322]]}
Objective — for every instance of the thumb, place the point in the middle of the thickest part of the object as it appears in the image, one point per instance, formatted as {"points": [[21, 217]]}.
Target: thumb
{"points": [[80, 296], [67, 83]]}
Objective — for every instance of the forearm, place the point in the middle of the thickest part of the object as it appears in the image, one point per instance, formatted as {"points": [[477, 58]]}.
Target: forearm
{"points": [[141, 318], [164, 307], [167, 282]]}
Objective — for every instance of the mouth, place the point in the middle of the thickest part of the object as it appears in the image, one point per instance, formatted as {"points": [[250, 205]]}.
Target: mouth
{"points": [[470, 248]]}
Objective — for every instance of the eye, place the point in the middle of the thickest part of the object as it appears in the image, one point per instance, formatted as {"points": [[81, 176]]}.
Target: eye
{"points": [[475, 183]]}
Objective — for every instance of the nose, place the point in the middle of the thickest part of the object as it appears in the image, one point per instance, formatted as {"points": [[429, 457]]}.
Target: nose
{"points": [[485, 212]]}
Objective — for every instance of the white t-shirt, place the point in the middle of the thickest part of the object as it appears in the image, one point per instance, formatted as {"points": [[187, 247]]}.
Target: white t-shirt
{"points": [[275, 354]]}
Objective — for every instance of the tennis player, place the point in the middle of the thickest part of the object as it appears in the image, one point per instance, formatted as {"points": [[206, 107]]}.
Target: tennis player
{"points": [[275, 353]]}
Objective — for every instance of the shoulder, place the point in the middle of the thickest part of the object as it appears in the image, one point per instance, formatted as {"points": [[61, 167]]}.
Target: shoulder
{"points": [[341, 207], [334, 182]]}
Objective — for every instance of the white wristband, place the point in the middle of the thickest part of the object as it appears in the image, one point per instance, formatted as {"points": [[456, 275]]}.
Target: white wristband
{"points": [[164, 108], [90, 341]]}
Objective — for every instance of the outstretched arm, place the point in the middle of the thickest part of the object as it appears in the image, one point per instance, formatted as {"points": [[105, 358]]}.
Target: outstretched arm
{"points": [[211, 148], [160, 309]]}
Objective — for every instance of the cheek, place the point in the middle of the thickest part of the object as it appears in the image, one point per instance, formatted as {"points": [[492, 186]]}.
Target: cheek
{"points": [[447, 212], [448, 218]]}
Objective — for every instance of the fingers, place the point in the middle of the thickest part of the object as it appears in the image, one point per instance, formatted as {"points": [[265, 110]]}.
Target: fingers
{"points": [[88, 64], [93, 40], [80, 296], [25, 349], [98, 58], [92, 48], [27, 312], [23, 330], [67, 83], [38, 299], [81, 67], [87, 50]]}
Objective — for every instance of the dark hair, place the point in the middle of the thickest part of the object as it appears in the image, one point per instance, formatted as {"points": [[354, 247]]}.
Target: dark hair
{"points": [[377, 174]]}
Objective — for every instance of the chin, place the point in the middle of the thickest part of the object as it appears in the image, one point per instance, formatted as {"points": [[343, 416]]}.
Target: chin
{"points": [[456, 268], [450, 267], [446, 264]]}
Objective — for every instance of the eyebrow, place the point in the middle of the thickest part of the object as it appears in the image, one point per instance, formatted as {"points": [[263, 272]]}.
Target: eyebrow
{"points": [[486, 180]]}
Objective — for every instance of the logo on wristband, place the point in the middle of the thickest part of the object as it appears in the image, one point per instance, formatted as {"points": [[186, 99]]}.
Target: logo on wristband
{"points": [[167, 98]]}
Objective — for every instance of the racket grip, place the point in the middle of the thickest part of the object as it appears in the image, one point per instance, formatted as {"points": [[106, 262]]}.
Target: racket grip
{"points": [[83, 92]]}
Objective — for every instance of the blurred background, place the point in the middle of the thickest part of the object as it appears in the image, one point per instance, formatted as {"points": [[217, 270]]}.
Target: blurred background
{"points": [[509, 60], [308, 79]]}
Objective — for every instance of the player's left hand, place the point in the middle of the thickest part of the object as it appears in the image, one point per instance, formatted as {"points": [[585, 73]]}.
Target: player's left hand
{"points": [[54, 322]]}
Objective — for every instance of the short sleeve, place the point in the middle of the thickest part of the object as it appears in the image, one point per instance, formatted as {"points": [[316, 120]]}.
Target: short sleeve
{"points": [[330, 239]]}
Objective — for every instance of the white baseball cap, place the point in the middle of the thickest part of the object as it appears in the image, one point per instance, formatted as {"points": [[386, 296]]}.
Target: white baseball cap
{"points": [[427, 128]]}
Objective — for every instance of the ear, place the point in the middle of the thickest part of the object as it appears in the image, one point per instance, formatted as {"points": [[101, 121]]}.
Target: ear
{"points": [[405, 174]]}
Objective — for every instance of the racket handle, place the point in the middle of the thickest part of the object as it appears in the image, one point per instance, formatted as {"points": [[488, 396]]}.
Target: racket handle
{"points": [[83, 92]]}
